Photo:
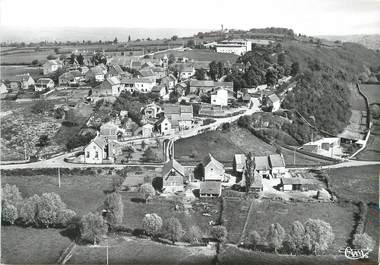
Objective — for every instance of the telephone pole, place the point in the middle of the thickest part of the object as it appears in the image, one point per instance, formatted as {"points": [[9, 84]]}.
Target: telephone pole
{"points": [[59, 177]]}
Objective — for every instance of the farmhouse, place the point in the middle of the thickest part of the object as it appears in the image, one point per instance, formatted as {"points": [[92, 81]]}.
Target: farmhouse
{"points": [[44, 83], [23, 81], [273, 101], [277, 164], [111, 86], [163, 126], [237, 46], [212, 188], [70, 78], [201, 87], [185, 70], [109, 131], [147, 72], [169, 81], [51, 66], [180, 116], [96, 151], [238, 163], [173, 174], [262, 166], [257, 183], [219, 97], [95, 74], [115, 70], [160, 91], [180, 89], [213, 169], [143, 85], [298, 183]]}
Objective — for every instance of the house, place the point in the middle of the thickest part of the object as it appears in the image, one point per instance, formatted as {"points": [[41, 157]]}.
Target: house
{"points": [[70, 78], [219, 97], [163, 126], [169, 81], [201, 87], [257, 183], [180, 116], [50, 66], [134, 180], [151, 111], [23, 81], [173, 174], [298, 183], [111, 86], [143, 85], [160, 91], [238, 163], [95, 74], [236, 46], [185, 70], [44, 83], [115, 70], [135, 65], [147, 72], [329, 146], [213, 169], [109, 131], [277, 164], [159, 72], [180, 89], [262, 166], [83, 69], [273, 101], [211, 188], [147, 130], [96, 151], [3, 88]]}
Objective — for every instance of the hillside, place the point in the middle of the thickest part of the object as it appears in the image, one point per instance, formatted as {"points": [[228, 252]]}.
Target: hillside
{"points": [[370, 41]]}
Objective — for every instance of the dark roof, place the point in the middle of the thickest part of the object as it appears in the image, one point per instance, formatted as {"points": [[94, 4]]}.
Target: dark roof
{"points": [[100, 141], [261, 163], [173, 164], [44, 81], [145, 72], [298, 180], [210, 159], [210, 187]]}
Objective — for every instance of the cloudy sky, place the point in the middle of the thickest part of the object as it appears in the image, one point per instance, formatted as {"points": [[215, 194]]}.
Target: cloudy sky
{"points": [[312, 17]]}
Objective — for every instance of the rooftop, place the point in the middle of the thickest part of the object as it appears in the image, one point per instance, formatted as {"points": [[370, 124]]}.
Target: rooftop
{"points": [[210, 187]]}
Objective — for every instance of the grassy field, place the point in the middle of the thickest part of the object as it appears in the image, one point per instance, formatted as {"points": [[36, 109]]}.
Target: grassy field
{"points": [[26, 56], [223, 145], [7, 72], [202, 55], [31, 245], [372, 92], [137, 251], [355, 183], [340, 217], [231, 255], [81, 192]]}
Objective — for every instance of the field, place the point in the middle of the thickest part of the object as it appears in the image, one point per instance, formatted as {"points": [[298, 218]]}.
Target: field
{"points": [[30, 245], [231, 255], [138, 251], [25, 56], [7, 72], [372, 92], [201, 55], [266, 212], [223, 145], [355, 183]]}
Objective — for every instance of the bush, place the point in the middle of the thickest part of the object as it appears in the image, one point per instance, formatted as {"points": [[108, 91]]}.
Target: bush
{"points": [[147, 190], [152, 224], [194, 235], [173, 229], [254, 239], [48, 208], [8, 213], [219, 232], [92, 227], [42, 106], [65, 217], [318, 236], [275, 236], [29, 210], [11, 195], [113, 204]]}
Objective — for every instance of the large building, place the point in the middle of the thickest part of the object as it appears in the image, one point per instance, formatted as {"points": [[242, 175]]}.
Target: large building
{"points": [[237, 46]]}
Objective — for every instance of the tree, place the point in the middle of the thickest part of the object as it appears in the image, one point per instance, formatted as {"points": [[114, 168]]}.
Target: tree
{"points": [[113, 204], [48, 208], [275, 236], [80, 59], [35, 62], [115, 41], [51, 57], [295, 68], [8, 213], [171, 58], [147, 190], [199, 172], [11, 195], [65, 216], [281, 59], [190, 43], [175, 37], [296, 237], [194, 235], [42, 106], [149, 155], [213, 70], [43, 141], [152, 224], [173, 229], [254, 239], [318, 235], [129, 38], [92, 227], [56, 50], [219, 232], [363, 241], [29, 210], [200, 74]]}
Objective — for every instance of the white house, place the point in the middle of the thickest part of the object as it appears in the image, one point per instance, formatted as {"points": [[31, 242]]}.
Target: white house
{"points": [[238, 47], [219, 97], [51, 66], [143, 85], [173, 174], [95, 151], [44, 83], [262, 166], [274, 102], [164, 126], [3, 88], [147, 130], [277, 164], [213, 169]]}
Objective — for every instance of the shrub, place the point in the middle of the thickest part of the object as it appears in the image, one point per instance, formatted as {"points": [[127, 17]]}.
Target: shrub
{"points": [[92, 227], [219, 232], [48, 208], [65, 216], [254, 239], [318, 236], [11, 195], [29, 210], [147, 190], [173, 229], [113, 204], [8, 213], [296, 237], [194, 235], [152, 224], [275, 236]]}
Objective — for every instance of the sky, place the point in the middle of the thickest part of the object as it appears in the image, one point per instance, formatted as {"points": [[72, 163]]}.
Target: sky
{"points": [[311, 17]]}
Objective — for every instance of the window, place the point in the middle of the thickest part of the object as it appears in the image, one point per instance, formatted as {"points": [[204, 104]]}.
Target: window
{"points": [[88, 154], [96, 154]]}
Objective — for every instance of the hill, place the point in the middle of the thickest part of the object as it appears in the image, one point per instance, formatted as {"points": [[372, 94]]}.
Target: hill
{"points": [[370, 41]]}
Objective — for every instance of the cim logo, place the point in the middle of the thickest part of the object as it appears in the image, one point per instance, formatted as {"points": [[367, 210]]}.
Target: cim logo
{"points": [[355, 254]]}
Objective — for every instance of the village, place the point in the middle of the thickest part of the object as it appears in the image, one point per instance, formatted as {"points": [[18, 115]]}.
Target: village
{"points": [[113, 121]]}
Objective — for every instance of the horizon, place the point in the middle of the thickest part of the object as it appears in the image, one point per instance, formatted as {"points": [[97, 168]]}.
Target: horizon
{"points": [[312, 18]]}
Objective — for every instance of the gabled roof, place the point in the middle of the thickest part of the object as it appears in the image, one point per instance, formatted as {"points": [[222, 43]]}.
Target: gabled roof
{"points": [[116, 68], [138, 80], [113, 81], [44, 81], [240, 159], [145, 72], [20, 78], [297, 180], [170, 109], [261, 163], [210, 159], [173, 164], [168, 78], [210, 187], [52, 62], [100, 141], [276, 160], [274, 98]]}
